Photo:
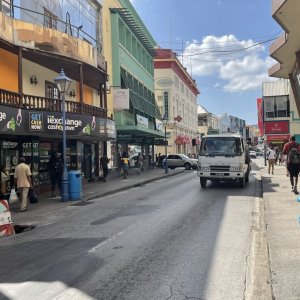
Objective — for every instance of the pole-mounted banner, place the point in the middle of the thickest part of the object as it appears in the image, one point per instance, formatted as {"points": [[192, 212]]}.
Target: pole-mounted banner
{"points": [[166, 102]]}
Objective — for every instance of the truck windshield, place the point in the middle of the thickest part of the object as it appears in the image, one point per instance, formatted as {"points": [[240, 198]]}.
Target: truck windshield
{"points": [[228, 146]]}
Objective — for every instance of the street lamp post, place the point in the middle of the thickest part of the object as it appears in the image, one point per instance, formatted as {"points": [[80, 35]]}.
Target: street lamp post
{"points": [[63, 84], [165, 121]]}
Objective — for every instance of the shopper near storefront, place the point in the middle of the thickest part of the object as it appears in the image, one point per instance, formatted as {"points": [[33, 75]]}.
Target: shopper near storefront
{"points": [[125, 164], [293, 162], [23, 181], [55, 172], [104, 161]]}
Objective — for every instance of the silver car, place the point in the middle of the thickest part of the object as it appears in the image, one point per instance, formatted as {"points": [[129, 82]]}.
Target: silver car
{"points": [[181, 160]]}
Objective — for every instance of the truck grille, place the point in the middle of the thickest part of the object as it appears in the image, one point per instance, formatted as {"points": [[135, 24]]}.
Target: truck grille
{"points": [[220, 168]]}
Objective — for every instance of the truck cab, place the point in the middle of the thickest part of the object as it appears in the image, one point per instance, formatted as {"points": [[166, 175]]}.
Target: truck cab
{"points": [[223, 157]]}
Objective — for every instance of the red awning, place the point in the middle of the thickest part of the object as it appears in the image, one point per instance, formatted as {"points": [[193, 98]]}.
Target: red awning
{"points": [[182, 139]]}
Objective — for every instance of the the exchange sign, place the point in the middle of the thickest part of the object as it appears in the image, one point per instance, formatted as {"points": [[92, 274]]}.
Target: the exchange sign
{"points": [[20, 121]]}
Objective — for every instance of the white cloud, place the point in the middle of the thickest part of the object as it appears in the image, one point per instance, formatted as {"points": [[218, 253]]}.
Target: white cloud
{"points": [[241, 65]]}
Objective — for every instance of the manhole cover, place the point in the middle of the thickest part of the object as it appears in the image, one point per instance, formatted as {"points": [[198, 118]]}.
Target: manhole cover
{"points": [[82, 203], [23, 228]]}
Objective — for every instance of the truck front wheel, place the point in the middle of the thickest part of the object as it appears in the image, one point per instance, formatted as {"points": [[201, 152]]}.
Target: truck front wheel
{"points": [[203, 182], [242, 182], [247, 174]]}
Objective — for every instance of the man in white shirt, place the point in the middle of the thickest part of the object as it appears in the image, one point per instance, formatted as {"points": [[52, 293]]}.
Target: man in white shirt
{"points": [[271, 154], [23, 181]]}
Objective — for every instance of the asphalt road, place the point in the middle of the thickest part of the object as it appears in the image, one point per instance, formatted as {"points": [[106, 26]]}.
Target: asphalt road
{"points": [[169, 239]]}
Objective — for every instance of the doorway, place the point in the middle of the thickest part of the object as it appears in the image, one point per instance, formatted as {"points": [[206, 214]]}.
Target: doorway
{"points": [[87, 167]]}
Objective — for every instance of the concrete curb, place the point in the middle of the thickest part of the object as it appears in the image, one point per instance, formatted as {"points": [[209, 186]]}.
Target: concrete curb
{"points": [[258, 276]]}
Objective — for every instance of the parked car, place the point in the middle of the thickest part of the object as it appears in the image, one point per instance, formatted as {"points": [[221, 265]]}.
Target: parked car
{"points": [[252, 153], [181, 160], [258, 152]]}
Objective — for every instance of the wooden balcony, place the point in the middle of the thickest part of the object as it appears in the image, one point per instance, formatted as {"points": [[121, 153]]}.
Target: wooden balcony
{"points": [[31, 102]]}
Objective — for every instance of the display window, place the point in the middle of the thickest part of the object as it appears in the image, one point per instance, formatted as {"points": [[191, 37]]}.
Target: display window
{"points": [[9, 160]]}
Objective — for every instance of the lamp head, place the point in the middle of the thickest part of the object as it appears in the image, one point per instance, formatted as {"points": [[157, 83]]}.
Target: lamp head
{"points": [[63, 82], [165, 119]]}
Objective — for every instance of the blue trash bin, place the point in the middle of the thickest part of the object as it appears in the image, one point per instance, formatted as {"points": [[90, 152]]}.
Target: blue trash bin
{"points": [[75, 185]]}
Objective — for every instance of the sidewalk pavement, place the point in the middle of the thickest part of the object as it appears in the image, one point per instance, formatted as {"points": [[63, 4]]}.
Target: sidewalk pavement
{"points": [[282, 216], [48, 208]]}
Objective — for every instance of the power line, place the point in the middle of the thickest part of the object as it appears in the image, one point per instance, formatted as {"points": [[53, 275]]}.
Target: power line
{"points": [[228, 52], [221, 42]]}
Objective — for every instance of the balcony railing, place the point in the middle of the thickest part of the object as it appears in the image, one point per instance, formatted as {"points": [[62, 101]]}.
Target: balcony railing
{"points": [[17, 100], [89, 39], [25, 14]]}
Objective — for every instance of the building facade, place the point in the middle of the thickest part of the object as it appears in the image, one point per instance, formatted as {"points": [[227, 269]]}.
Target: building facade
{"points": [[37, 39], [224, 120], [286, 49], [208, 123], [130, 49], [176, 93], [280, 115], [238, 126]]}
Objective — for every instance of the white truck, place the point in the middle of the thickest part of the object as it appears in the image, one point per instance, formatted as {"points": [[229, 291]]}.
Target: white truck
{"points": [[223, 157]]}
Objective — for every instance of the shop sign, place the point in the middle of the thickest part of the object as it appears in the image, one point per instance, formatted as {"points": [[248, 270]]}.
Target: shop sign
{"points": [[278, 137], [110, 128], [11, 120], [277, 127], [159, 125], [9, 144], [20, 121], [36, 122], [142, 121], [120, 98], [166, 104], [260, 121]]}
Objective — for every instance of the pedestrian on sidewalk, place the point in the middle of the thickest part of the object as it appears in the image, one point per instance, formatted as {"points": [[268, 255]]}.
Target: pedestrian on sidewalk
{"points": [[55, 168], [271, 154], [140, 162], [159, 161], [287, 148], [125, 164], [293, 162], [104, 160], [23, 181]]}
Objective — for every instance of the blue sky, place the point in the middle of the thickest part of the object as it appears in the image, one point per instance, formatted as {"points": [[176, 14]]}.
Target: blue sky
{"points": [[223, 43]]}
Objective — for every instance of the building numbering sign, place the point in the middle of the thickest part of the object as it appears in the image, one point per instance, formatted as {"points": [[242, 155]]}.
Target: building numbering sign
{"points": [[166, 102]]}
